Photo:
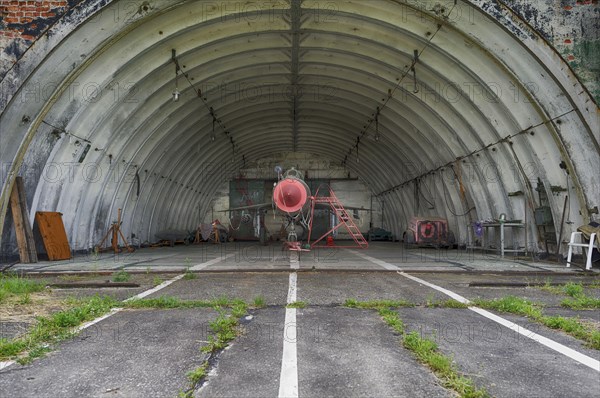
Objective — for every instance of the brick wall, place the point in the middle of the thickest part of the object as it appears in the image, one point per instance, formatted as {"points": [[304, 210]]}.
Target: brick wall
{"points": [[22, 22], [24, 18]]}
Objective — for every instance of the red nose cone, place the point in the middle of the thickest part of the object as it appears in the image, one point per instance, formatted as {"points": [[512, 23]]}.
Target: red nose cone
{"points": [[290, 195]]}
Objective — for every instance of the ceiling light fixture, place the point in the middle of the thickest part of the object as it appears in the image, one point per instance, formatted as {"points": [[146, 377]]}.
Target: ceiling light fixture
{"points": [[176, 92]]}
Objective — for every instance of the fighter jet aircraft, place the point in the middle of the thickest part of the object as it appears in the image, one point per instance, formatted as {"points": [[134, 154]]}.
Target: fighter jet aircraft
{"points": [[292, 199]]}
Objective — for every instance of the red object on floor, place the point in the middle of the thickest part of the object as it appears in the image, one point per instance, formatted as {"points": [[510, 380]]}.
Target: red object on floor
{"points": [[330, 241]]}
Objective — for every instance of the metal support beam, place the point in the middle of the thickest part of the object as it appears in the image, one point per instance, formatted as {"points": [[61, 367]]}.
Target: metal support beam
{"points": [[295, 21]]}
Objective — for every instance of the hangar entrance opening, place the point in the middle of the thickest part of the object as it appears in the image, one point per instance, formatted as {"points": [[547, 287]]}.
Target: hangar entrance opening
{"points": [[465, 112]]}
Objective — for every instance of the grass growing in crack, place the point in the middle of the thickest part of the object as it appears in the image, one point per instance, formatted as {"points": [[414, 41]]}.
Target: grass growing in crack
{"points": [[513, 305], [225, 330], [426, 351], [11, 348], [194, 376], [168, 302], [239, 309], [189, 274], [519, 306], [157, 281], [392, 319], [121, 276], [222, 301], [450, 303], [54, 328], [377, 304], [547, 287], [578, 299], [165, 302], [581, 302], [573, 289], [259, 302], [575, 328], [297, 304]]}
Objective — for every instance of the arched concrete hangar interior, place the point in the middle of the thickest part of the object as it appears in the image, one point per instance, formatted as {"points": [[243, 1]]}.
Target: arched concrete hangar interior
{"points": [[459, 109]]}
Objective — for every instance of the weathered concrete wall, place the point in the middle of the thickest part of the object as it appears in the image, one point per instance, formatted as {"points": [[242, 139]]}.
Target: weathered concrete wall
{"points": [[572, 27], [22, 22], [35, 28]]}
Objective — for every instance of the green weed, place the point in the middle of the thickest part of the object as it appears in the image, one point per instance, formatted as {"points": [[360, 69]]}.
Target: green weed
{"points": [[572, 326], [450, 303], [426, 351], [392, 319], [56, 327], [225, 330], [581, 302], [10, 348], [196, 375], [513, 305], [189, 274], [239, 309], [166, 302], [547, 287], [15, 285], [259, 302], [575, 328], [573, 289], [25, 299], [377, 304], [121, 276], [157, 281], [297, 304]]}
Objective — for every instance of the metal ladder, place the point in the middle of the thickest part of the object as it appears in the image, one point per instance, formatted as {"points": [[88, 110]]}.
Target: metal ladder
{"points": [[344, 219]]}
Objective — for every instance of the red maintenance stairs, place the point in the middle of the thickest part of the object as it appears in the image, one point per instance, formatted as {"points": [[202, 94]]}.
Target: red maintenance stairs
{"points": [[343, 218]]}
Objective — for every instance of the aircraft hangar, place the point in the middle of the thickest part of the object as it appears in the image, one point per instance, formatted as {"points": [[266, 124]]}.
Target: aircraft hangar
{"points": [[463, 111], [154, 136]]}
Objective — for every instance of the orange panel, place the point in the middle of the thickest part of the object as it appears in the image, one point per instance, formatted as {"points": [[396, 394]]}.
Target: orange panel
{"points": [[53, 233]]}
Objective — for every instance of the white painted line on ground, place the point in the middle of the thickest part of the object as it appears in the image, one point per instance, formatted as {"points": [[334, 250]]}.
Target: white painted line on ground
{"points": [[288, 379], [388, 266], [95, 321], [198, 267], [569, 352], [154, 289], [447, 292], [143, 294], [576, 355], [292, 292], [6, 364], [294, 260]]}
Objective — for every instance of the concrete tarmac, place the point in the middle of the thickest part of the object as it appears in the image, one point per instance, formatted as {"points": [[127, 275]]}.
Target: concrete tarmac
{"points": [[339, 352]]}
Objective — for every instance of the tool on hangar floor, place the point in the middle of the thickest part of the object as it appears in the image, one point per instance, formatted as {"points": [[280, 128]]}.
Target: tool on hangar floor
{"points": [[115, 231]]}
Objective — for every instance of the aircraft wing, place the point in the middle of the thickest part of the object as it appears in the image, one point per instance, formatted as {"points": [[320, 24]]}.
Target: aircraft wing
{"points": [[270, 206], [328, 206], [250, 207]]}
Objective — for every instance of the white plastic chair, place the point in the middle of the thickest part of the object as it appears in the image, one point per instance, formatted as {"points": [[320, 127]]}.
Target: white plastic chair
{"points": [[589, 246]]}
